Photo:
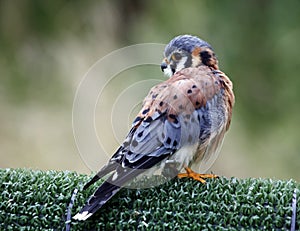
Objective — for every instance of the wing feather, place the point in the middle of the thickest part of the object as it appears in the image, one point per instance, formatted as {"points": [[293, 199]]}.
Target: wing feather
{"points": [[170, 117]]}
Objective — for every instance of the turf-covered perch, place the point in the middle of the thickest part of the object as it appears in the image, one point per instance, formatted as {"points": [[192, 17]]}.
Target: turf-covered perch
{"points": [[37, 200]]}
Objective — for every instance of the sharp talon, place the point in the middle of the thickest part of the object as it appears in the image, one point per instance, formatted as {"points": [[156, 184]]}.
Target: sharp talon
{"points": [[196, 176]]}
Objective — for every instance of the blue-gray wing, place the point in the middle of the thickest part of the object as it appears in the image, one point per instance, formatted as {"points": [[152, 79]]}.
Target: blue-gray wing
{"points": [[186, 108]]}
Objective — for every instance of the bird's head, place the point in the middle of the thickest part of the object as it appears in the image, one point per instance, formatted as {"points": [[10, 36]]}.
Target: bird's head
{"points": [[187, 51]]}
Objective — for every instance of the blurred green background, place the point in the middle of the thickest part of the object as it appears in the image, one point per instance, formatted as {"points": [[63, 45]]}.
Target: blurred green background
{"points": [[46, 47]]}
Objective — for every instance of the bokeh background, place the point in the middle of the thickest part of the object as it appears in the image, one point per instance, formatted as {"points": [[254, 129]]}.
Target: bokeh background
{"points": [[46, 47]]}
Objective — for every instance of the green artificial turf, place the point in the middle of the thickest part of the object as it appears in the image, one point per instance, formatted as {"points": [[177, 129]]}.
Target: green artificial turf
{"points": [[38, 200]]}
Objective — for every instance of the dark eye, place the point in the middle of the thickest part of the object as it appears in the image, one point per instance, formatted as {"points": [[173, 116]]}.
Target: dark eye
{"points": [[176, 56]]}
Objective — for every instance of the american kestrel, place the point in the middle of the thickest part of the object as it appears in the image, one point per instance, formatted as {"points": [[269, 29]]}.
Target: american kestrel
{"points": [[181, 124]]}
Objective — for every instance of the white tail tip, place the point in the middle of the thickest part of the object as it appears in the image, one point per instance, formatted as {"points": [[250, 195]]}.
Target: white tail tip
{"points": [[82, 216]]}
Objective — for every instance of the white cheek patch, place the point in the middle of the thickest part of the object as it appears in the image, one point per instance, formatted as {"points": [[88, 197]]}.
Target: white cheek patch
{"points": [[168, 72], [180, 65]]}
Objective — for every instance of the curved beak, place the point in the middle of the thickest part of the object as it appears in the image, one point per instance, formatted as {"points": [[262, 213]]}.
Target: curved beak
{"points": [[163, 66]]}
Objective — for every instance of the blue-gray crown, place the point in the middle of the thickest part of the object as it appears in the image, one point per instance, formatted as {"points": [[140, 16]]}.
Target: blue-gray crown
{"points": [[185, 42]]}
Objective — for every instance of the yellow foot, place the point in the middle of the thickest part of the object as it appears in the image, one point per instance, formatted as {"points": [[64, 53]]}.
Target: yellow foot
{"points": [[196, 176]]}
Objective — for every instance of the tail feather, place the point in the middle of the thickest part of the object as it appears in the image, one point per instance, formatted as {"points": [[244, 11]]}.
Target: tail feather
{"points": [[113, 184], [96, 201], [105, 192], [104, 171]]}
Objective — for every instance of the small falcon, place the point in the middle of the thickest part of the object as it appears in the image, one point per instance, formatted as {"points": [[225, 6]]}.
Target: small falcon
{"points": [[182, 123]]}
